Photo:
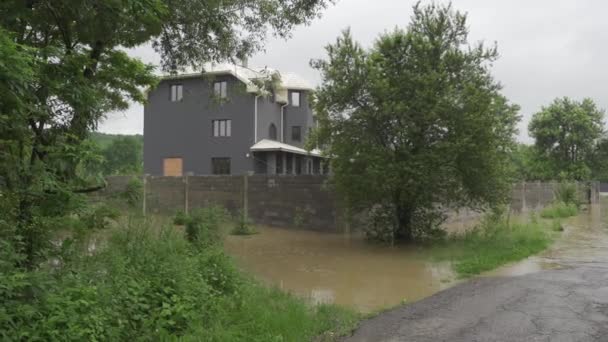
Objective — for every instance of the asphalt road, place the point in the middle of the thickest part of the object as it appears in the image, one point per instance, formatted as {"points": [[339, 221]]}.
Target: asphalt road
{"points": [[565, 304]]}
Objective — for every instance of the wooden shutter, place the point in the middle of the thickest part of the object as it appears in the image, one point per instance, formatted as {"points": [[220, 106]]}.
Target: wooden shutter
{"points": [[172, 167]]}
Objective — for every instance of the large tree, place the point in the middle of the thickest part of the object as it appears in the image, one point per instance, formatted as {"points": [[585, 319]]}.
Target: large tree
{"points": [[566, 133], [75, 70], [416, 122]]}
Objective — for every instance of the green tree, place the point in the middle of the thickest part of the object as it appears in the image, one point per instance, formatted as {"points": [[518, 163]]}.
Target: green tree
{"points": [[415, 123], [529, 164], [566, 133], [124, 155], [66, 67], [599, 161]]}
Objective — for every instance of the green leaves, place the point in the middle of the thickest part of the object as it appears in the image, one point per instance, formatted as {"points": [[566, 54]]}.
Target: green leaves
{"points": [[415, 122], [565, 134]]}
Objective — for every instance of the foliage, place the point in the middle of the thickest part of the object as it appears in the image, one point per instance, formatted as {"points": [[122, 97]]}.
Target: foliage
{"points": [[599, 160], [180, 218], [559, 210], [133, 193], [151, 284], [567, 193], [416, 122], [565, 133], [204, 226], [97, 216], [493, 243], [124, 155], [529, 164], [242, 225], [63, 67]]}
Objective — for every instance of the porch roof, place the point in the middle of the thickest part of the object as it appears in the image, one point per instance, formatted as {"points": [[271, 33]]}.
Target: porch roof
{"points": [[271, 145]]}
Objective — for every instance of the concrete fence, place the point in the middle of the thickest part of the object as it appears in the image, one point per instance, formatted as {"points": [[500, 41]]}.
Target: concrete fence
{"points": [[307, 201]]}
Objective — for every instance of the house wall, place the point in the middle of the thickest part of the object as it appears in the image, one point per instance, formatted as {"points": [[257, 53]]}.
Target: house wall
{"points": [[184, 129], [298, 116]]}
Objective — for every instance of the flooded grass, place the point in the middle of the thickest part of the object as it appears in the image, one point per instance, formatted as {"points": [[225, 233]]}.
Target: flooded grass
{"points": [[559, 210], [494, 244]]}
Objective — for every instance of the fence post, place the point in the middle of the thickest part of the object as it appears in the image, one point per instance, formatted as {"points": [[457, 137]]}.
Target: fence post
{"points": [[143, 207], [245, 197], [186, 194]]}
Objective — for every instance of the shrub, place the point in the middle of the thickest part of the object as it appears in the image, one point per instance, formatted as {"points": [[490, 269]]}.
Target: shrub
{"points": [[96, 216], [180, 218], [133, 193], [559, 210], [204, 226], [242, 226], [567, 193]]}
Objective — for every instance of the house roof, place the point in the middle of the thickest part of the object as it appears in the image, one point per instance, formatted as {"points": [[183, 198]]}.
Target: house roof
{"points": [[272, 145], [246, 75]]}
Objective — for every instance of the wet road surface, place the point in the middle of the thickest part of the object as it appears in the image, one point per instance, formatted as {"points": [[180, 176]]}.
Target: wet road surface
{"points": [[561, 295]]}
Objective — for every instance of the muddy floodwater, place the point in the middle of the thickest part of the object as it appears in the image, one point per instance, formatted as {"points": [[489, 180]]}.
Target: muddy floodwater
{"points": [[333, 268]]}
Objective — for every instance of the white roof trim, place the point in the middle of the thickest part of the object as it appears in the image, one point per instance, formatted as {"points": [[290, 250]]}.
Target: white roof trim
{"points": [[271, 145], [245, 75]]}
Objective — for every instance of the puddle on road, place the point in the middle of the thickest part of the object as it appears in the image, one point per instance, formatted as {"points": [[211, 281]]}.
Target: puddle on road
{"points": [[585, 240], [333, 268]]}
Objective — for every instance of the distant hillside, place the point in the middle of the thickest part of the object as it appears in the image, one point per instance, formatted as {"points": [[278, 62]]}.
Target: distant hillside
{"points": [[104, 139]]}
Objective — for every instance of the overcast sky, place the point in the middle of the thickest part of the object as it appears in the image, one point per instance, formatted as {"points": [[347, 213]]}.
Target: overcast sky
{"points": [[548, 48]]}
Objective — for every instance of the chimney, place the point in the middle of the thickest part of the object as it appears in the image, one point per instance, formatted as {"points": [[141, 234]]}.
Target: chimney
{"points": [[244, 62]]}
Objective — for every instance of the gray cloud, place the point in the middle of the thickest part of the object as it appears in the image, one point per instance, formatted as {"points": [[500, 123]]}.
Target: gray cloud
{"points": [[548, 48]]}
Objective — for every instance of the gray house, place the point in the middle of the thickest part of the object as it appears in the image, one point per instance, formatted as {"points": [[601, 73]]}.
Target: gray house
{"points": [[226, 121]]}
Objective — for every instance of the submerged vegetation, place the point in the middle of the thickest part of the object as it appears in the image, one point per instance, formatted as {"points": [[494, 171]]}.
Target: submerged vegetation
{"points": [[559, 210], [495, 242]]}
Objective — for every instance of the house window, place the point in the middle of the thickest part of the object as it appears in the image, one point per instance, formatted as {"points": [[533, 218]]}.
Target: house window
{"points": [[220, 89], [222, 128], [272, 132], [296, 133], [295, 98], [177, 92], [220, 166]]}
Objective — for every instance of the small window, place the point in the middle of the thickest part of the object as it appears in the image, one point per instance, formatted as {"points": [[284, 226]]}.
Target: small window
{"points": [[177, 92], [220, 89], [220, 166], [296, 133], [295, 99], [272, 132], [222, 128]]}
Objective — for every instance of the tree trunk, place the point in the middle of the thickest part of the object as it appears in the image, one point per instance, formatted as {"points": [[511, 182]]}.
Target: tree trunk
{"points": [[403, 215]]}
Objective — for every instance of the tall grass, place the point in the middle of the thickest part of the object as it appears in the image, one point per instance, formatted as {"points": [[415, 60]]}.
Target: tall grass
{"points": [[493, 243], [151, 283], [559, 210]]}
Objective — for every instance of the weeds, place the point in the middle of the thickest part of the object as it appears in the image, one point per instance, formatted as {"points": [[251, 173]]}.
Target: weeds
{"points": [[242, 225], [151, 283], [495, 242], [559, 210]]}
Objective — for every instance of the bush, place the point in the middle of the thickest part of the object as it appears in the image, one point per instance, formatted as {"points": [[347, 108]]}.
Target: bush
{"points": [[559, 210], [149, 285], [133, 193], [180, 218], [204, 226], [242, 226], [97, 216], [567, 193]]}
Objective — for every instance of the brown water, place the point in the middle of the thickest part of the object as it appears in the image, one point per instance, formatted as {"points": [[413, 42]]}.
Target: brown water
{"points": [[584, 241], [332, 268]]}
